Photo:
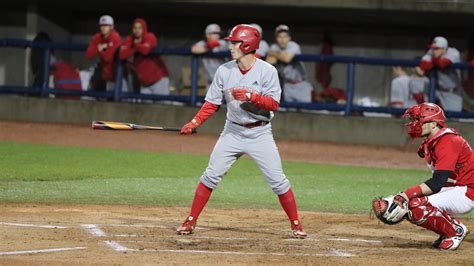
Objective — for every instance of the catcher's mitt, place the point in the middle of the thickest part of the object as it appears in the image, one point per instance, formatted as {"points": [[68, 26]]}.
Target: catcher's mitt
{"points": [[389, 212]]}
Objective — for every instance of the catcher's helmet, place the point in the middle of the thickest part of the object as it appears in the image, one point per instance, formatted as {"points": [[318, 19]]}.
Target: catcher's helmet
{"points": [[423, 113], [248, 35]]}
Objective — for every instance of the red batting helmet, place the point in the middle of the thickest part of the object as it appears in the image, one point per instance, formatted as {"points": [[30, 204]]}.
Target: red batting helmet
{"points": [[423, 113], [248, 35]]}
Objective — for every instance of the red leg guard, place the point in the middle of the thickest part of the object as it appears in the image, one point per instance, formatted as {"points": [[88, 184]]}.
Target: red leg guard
{"points": [[288, 203], [423, 214], [201, 196]]}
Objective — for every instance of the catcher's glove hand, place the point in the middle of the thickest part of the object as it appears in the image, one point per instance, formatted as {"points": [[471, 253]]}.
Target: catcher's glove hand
{"points": [[388, 211]]}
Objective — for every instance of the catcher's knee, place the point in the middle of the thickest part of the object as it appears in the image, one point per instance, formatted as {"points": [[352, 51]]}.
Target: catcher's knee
{"points": [[419, 210]]}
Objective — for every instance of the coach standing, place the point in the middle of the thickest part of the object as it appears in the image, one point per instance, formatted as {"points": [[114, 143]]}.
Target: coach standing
{"points": [[105, 43], [151, 70], [441, 56], [291, 71]]}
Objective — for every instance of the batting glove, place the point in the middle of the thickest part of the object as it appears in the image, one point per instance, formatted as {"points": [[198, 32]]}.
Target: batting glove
{"points": [[243, 95], [189, 127]]}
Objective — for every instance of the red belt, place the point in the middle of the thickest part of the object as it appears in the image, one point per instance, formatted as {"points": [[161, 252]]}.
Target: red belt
{"points": [[252, 125]]}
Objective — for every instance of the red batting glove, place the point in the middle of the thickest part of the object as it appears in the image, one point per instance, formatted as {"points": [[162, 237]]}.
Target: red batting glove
{"points": [[241, 94], [188, 128]]}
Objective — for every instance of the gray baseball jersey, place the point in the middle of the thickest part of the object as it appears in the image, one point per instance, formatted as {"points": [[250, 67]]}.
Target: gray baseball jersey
{"points": [[293, 71], [262, 78], [449, 82], [212, 64], [262, 49], [236, 140]]}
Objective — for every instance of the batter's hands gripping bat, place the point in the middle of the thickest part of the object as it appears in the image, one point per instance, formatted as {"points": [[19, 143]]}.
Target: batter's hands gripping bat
{"points": [[130, 126]]}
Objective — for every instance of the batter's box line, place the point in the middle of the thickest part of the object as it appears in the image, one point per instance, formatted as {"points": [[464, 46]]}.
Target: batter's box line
{"points": [[38, 251], [332, 253], [34, 225]]}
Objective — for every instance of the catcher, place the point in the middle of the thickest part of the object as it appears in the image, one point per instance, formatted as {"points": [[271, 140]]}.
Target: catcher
{"points": [[450, 191]]}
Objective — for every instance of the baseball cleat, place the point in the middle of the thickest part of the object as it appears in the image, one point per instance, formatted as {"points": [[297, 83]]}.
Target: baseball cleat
{"points": [[187, 227], [437, 242], [453, 243], [297, 229]]}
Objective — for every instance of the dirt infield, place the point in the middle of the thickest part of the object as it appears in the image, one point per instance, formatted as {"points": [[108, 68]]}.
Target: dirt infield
{"points": [[315, 152], [117, 234], [84, 234]]}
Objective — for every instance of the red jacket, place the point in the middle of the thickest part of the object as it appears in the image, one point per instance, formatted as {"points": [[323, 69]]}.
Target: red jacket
{"points": [[66, 76], [150, 68], [108, 64]]}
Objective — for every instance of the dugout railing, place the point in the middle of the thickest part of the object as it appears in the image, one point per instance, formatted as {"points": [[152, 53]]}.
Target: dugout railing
{"points": [[193, 99]]}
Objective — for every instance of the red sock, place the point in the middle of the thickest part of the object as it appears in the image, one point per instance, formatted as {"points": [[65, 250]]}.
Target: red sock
{"points": [[201, 196], [288, 203]]}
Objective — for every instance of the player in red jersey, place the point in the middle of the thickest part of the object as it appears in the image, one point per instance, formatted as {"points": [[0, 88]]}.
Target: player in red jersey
{"points": [[450, 191]]}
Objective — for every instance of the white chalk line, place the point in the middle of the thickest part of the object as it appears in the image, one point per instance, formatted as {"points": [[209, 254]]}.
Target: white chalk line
{"points": [[116, 246], [93, 229], [355, 240], [37, 251], [333, 253], [151, 226], [35, 225]]}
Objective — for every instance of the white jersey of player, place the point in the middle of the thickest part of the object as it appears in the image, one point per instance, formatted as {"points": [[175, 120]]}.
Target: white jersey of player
{"points": [[262, 78], [211, 64], [262, 49]]}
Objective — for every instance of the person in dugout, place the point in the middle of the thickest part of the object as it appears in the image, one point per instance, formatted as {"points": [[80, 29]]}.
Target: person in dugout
{"points": [[150, 68], [104, 44]]}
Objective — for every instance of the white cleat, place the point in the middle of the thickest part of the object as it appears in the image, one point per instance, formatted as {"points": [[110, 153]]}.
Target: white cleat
{"points": [[453, 243]]}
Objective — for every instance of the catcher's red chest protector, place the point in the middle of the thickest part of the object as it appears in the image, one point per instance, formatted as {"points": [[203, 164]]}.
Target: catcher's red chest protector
{"points": [[447, 150]]}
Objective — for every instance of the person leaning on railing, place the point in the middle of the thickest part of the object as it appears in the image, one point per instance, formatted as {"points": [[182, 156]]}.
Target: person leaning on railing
{"points": [[211, 43], [292, 73], [440, 56], [104, 44], [150, 68]]}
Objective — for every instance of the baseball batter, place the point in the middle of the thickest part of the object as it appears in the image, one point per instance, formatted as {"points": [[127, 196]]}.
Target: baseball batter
{"points": [[251, 90], [450, 191]]}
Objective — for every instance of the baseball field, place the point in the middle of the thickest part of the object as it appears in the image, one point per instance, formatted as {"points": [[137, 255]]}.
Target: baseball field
{"points": [[68, 192]]}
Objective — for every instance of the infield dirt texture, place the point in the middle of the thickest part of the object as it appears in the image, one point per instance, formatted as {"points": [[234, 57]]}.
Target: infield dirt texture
{"points": [[45, 221]]}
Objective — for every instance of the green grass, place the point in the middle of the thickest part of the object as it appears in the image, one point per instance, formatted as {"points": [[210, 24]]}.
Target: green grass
{"points": [[58, 174]]}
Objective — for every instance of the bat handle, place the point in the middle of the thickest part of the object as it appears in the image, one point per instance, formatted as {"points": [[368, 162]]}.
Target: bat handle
{"points": [[194, 131]]}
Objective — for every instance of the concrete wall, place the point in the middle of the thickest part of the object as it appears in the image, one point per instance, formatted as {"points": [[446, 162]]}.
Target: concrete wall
{"points": [[286, 125]]}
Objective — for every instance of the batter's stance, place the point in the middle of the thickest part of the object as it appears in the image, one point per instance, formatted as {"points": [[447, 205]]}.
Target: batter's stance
{"points": [[251, 89]]}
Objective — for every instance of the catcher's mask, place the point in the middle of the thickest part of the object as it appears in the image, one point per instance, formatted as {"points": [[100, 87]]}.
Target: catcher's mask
{"points": [[420, 114]]}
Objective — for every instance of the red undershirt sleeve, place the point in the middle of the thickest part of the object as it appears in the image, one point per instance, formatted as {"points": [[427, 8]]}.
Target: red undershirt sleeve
{"points": [[444, 62], [264, 102], [206, 111], [426, 65]]}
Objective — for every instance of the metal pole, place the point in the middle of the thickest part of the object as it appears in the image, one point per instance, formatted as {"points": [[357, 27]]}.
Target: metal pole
{"points": [[350, 88], [118, 81], [194, 79], [433, 85], [46, 70]]}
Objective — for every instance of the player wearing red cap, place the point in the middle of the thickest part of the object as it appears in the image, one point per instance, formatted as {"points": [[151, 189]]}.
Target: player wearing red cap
{"points": [[251, 90], [450, 191]]}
